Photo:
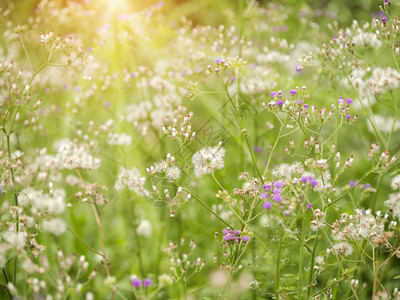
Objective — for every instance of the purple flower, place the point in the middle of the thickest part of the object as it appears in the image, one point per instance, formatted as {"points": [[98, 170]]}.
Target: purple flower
{"points": [[267, 187], [298, 68], [277, 198], [273, 94], [245, 239], [367, 186], [225, 231], [279, 184], [348, 117], [293, 92], [353, 183], [309, 205], [267, 205], [147, 282], [218, 60], [279, 102], [304, 179], [78, 89], [235, 232], [313, 182], [305, 106], [349, 101], [277, 191], [228, 237], [384, 19], [299, 102], [136, 283], [264, 195], [340, 101], [287, 212]]}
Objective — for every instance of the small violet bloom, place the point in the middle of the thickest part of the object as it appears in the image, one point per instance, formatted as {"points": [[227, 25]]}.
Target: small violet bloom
{"points": [[136, 283], [267, 205], [147, 282], [267, 187], [277, 198], [349, 101], [245, 239], [293, 92], [279, 184]]}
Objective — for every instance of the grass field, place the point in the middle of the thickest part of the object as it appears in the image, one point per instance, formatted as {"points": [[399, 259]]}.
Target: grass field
{"points": [[199, 149]]}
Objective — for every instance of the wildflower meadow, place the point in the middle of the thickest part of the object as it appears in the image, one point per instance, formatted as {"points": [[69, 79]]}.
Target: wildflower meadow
{"points": [[230, 149]]}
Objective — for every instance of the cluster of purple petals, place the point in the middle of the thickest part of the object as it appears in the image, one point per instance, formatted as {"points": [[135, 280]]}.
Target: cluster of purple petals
{"points": [[137, 283], [353, 183], [234, 236], [311, 180], [276, 189]]}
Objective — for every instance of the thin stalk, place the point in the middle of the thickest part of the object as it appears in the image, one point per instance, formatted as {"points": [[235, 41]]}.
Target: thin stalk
{"points": [[363, 106], [244, 134], [376, 271], [138, 248], [100, 227], [310, 277], [83, 242], [340, 264], [283, 126], [277, 271], [208, 208], [299, 276], [349, 190], [7, 280], [26, 52], [327, 287]]}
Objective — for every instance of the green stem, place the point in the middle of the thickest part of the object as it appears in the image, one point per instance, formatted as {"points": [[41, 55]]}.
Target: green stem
{"points": [[244, 133], [277, 272], [310, 277], [7, 280], [363, 106], [208, 208], [300, 274]]}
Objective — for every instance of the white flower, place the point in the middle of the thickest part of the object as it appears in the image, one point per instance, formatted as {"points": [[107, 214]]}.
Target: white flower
{"points": [[161, 166], [394, 204], [396, 182], [144, 228], [132, 180], [119, 139], [173, 173], [72, 155], [165, 280], [206, 160], [43, 202], [15, 239], [343, 249], [55, 226]]}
